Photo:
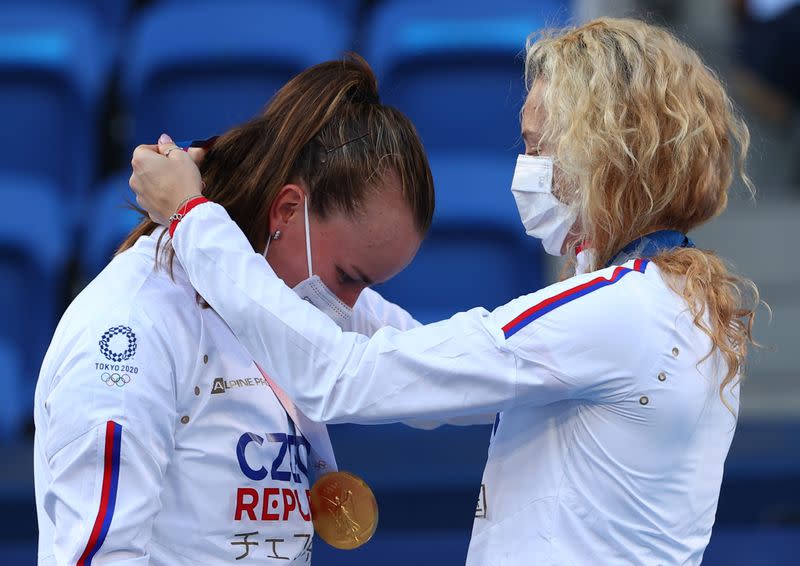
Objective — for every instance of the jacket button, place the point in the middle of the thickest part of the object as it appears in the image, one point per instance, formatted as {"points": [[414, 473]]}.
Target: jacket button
{"points": [[675, 352], [205, 359], [643, 400], [185, 419], [662, 376], [196, 390]]}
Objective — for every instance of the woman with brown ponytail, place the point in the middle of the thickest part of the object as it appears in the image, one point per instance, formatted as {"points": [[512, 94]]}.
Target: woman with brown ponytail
{"points": [[158, 440], [617, 389]]}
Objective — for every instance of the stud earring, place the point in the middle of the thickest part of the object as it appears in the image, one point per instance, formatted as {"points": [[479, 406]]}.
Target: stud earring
{"points": [[276, 235]]}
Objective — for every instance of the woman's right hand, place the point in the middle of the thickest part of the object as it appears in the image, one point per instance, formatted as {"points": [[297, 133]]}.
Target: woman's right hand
{"points": [[164, 176]]}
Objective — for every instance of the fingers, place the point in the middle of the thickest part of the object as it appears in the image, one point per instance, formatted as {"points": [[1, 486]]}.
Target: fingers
{"points": [[163, 175], [141, 154], [167, 149], [165, 143], [166, 146]]}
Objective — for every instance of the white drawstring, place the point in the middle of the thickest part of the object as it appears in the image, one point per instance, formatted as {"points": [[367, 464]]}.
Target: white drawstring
{"points": [[308, 236], [269, 239]]}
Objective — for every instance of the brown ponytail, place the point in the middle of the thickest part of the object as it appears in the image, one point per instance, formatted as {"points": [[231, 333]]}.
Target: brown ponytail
{"points": [[327, 128]]}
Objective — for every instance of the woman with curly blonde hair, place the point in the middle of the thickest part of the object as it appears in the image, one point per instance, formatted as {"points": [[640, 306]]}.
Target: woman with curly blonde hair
{"points": [[616, 389]]}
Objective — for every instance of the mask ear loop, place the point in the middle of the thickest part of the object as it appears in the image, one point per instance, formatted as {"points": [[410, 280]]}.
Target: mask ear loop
{"points": [[308, 236], [266, 249], [271, 237]]}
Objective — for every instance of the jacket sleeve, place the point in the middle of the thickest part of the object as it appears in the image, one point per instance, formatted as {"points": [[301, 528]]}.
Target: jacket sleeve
{"points": [[458, 367], [110, 411], [373, 312]]}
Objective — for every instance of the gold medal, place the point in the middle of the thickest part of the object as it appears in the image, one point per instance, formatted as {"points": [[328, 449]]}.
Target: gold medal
{"points": [[344, 510]]}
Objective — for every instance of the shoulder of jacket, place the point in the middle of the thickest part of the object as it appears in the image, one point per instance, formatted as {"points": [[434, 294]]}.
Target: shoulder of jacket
{"points": [[129, 292], [606, 298]]}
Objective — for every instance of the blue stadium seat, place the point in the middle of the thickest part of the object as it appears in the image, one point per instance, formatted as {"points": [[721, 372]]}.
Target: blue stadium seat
{"points": [[112, 220], [53, 66], [33, 253], [346, 8], [13, 410], [477, 252], [197, 72], [456, 68], [112, 14]]}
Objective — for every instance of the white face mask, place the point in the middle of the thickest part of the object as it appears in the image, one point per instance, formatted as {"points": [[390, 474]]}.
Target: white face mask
{"points": [[543, 215], [314, 290]]}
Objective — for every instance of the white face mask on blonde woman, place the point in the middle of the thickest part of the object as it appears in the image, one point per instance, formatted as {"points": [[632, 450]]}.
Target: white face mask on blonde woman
{"points": [[543, 215]]}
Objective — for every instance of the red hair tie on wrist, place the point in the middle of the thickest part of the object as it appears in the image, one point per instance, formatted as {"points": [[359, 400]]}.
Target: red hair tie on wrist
{"points": [[183, 211]]}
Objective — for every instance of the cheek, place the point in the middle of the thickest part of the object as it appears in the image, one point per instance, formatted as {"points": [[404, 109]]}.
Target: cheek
{"points": [[328, 275], [327, 250], [286, 268]]}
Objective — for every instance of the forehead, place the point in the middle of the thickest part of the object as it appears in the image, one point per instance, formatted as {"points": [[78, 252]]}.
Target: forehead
{"points": [[380, 239], [533, 116]]}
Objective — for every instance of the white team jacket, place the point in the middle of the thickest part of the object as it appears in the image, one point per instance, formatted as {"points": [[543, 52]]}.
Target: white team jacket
{"points": [[158, 442], [611, 436]]}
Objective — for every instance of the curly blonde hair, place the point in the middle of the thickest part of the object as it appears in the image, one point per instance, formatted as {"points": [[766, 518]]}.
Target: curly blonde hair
{"points": [[646, 138]]}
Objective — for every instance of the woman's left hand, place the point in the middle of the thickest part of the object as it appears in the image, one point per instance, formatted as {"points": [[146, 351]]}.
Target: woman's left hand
{"points": [[164, 176]]}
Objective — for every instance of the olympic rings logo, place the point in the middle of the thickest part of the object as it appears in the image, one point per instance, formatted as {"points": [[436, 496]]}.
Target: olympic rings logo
{"points": [[118, 379]]}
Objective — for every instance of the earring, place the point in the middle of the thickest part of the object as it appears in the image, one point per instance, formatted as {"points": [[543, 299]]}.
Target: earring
{"points": [[276, 235]]}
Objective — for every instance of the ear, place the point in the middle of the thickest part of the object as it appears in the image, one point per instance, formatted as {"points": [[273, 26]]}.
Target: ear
{"points": [[287, 204]]}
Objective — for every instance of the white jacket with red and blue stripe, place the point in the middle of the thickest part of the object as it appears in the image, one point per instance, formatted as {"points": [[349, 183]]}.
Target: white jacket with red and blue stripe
{"points": [[158, 441], [611, 435]]}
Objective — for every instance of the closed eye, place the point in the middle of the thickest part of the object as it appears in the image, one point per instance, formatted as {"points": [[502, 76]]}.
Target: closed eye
{"points": [[345, 278]]}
